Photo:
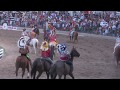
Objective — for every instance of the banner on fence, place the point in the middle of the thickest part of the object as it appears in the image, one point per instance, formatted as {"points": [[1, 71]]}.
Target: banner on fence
{"points": [[6, 27]]}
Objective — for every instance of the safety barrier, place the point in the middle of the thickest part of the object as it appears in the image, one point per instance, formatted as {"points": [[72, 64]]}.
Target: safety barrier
{"points": [[1, 53]]}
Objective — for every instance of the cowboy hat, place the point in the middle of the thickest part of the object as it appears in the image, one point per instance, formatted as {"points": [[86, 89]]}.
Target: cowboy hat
{"points": [[44, 46]]}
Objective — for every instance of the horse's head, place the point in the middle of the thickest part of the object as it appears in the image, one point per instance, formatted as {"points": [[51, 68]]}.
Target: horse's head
{"points": [[74, 53]]}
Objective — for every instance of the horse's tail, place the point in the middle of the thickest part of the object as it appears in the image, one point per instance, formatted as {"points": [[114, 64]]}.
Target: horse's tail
{"points": [[33, 71]]}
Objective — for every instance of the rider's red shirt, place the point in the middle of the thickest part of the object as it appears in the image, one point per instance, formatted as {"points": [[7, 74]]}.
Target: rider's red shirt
{"points": [[52, 38], [45, 53]]}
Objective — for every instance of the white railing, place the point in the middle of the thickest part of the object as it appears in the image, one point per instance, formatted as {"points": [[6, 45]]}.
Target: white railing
{"points": [[1, 53]]}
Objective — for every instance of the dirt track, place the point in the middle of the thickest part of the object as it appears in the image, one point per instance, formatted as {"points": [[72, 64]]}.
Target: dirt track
{"points": [[96, 60]]}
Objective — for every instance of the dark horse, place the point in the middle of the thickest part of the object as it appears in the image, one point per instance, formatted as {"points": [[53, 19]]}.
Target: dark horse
{"points": [[62, 67], [22, 62], [117, 54], [74, 37], [42, 65]]}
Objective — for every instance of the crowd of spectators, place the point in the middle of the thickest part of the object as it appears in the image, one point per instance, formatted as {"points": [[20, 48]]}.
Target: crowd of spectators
{"points": [[104, 23]]}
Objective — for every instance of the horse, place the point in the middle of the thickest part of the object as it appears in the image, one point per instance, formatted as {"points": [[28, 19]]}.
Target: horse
{"points": [[62, 67], [74, 36], [117, 54], [22, 62], [33, 43], [42, 65]]}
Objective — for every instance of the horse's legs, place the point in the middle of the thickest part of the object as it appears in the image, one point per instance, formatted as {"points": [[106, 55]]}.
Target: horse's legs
{"points": [[34, 75], [54, 76], [17, 68], [70, 38], [39, 74], [28, 72], [71, 74], [34, 48], [64, 76], [30, 49], [77, 40], [60, 76], [47, 73], [74, 40], [117, 63], [23, 72]]}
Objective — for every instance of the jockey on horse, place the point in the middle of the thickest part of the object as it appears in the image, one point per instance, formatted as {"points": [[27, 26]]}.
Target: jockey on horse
{"points": [[24, 50], [71, 33], [45, 51], [31, 35], [64, 54], [52, 37], [36, 30]]}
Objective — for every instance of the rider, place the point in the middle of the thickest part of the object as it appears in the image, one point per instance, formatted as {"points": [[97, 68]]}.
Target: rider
{"points": [[32, 35], [64, 54], [52, 38], [24, 51], [71, 33], [45, 51]]}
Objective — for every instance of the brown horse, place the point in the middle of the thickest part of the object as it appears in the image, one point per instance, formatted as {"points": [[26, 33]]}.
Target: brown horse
{"points": [[63, 67], [22, 62], [42, 65], [74, 37], [117, 54]]}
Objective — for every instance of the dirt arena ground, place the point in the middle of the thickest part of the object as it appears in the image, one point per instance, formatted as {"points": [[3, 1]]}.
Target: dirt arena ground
{"points": [[96, 60]]}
